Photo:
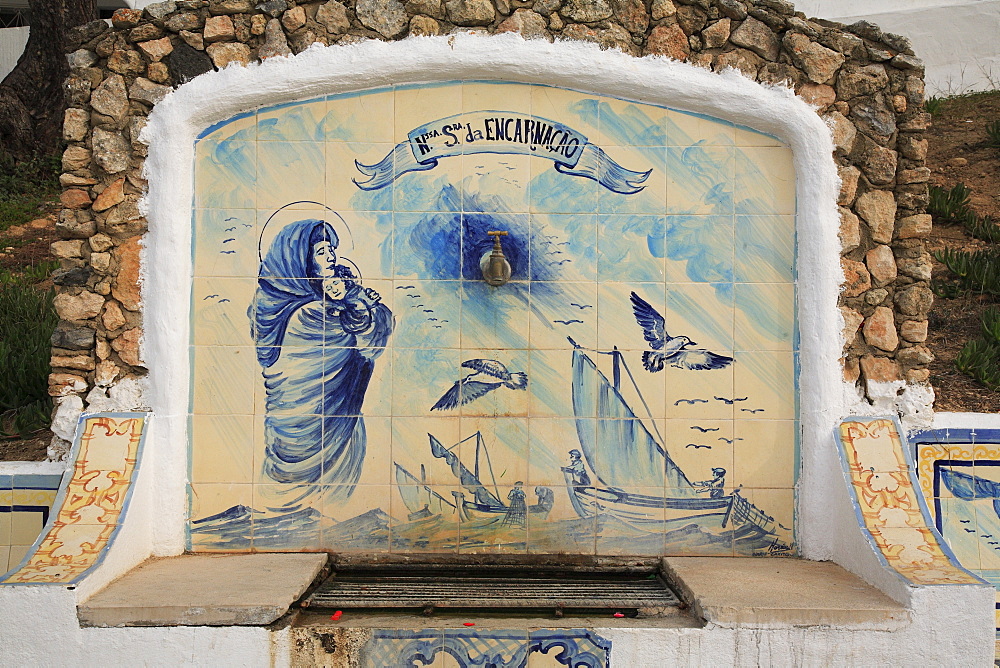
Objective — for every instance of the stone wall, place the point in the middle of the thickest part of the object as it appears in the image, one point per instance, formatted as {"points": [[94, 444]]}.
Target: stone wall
{"points": [[866, 84]]}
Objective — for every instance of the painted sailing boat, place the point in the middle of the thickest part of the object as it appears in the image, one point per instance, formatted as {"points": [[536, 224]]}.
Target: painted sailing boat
{"points": [[623, 454], [423, 501]]}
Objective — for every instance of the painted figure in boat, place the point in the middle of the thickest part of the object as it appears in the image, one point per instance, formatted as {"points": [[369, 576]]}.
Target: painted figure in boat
{"points": [[577, 469], [318, 333], [714, 487]]}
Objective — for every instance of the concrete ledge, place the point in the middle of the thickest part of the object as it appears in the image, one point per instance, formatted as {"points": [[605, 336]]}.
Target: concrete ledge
{"points": [[781, 593], [204, 590]]}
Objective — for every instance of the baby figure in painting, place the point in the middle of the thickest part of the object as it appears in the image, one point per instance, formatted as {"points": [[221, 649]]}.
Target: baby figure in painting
{"points": [[318, 333]]}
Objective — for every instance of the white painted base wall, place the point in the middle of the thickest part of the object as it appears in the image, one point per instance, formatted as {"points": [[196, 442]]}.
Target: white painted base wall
{"points": [[957, 39]]}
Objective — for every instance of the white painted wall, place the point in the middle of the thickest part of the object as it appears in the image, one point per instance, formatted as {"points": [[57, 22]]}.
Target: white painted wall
{"points": [[957, 39]]}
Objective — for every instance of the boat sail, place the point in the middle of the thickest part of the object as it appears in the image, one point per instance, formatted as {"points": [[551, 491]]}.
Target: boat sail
{"points": [[623, 454], [422, 501], [418, 497]]}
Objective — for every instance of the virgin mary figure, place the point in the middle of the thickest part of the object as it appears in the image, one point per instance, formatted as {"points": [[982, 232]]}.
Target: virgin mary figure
{"points": [[318, 333]]}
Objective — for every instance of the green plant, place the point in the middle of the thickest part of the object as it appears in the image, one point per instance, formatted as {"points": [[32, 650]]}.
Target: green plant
{"points": [[980, 358], [993, 134], [27, 319], [950, 206], [984, 228], [934, 105], [977, 271]]}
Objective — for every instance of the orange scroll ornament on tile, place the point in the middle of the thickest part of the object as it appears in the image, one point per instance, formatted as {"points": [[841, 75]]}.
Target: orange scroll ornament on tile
{"points": [[890, 506], [91, 503]]}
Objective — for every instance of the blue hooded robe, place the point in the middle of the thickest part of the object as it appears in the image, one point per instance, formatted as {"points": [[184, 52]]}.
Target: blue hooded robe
{"points": [[317, 357]]}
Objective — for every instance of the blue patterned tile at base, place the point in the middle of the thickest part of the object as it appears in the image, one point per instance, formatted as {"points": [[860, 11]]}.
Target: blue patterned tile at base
{"points": [[765, 249], [568, 647], [399, 647]]}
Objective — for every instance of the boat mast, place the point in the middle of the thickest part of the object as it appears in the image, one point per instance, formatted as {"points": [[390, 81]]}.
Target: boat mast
{"points": [[617, 371]]}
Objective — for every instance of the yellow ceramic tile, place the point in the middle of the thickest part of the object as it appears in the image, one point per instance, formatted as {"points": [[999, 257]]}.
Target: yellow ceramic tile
{"points": [[362, 116], [438, 189], [640, 535], [505, 176], [626, 123], [698, 446], [686, 129], [412, 450], [570, 534], [377, 468], [432, 372], [577, 110], [5, 524], [692, 394], [298, 121], [652, 197], [764, 181], [16, 554], [493, 317], [765, 249], [501, 450], [765, 453], [550, 441], [378, 396], [417, 257], [425, 518], [496, 96], [767, 379], [207, 499], [219, 311], [552, 192], [704, 313], [700, 180], [290, 171], [24, 527], [417, 105], [765, 316], [225, 378], [225, 242], [222, 448], [564, 247], [617, 326], [5, 564], [343, 176], [569, 313], [550, 394], [225, 174], [426, 314], [368, 252]]}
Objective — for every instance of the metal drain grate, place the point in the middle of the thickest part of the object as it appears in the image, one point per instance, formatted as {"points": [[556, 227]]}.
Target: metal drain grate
{"points": [[479, 590]]}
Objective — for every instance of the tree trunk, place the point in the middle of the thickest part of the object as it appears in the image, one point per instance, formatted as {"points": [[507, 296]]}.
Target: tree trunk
{"points": [[31, 96]]}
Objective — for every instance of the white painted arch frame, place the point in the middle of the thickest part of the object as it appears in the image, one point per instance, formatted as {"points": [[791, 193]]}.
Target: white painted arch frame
{"points": [[826, 524]]}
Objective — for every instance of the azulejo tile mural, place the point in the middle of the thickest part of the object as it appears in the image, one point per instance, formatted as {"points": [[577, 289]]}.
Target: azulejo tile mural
{"points": [[889, 505], [91, 503], [358, 386], [25, 503], [959, 473]]}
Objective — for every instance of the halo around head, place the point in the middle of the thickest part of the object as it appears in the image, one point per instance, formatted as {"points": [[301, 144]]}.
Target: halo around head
{"points": [[285, 215]]}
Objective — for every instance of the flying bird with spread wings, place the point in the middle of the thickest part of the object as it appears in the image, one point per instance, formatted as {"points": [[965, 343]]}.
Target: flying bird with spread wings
{"points": [[672, 350], [474, 385]]}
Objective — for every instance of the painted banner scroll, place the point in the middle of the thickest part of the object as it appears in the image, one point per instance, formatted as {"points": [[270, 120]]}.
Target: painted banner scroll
{"points": [[504, 132]]}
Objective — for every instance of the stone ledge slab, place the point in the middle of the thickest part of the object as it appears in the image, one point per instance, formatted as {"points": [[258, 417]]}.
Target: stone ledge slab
{"points": [[776, 593], [204, 590]]}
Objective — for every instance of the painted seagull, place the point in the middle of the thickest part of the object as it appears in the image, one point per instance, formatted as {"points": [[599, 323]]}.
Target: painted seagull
{"points": [[471, 387], [668, 349]]}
